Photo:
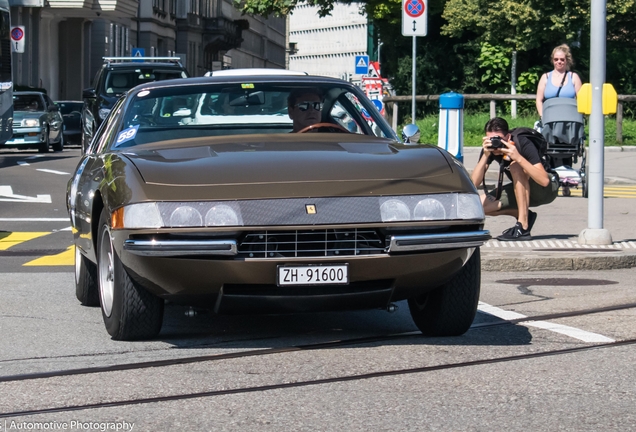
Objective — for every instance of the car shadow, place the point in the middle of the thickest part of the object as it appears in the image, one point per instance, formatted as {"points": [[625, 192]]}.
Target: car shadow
{"points": [[208, 330]]}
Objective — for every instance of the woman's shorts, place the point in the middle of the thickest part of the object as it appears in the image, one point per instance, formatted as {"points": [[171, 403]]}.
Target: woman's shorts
{"points": [[539, 195]]}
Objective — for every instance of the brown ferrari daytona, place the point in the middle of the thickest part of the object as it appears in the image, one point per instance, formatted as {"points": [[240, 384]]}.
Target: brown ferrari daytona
{"points": [[266, 194]]}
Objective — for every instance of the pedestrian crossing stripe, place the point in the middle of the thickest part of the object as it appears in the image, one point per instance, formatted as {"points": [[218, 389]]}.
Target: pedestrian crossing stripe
{"points": [[10, 239], [557, 244], [66, 258]]}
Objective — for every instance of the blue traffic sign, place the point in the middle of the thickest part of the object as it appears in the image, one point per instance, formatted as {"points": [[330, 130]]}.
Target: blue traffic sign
{"points": [[362, 64], [138, 52], [378, 104]]}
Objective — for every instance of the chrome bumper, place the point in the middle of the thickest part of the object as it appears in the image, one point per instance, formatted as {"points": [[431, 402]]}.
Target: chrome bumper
{"points": [[229, 247], [418, 242], [180, 247]]}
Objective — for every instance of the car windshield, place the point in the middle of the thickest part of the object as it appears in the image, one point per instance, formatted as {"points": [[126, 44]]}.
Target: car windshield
{"points": [[70, 107], [120, 81], [180, 112], [29, 102]]}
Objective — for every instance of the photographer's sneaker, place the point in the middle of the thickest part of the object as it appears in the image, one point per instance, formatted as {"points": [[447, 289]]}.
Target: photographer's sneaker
{"points": [[515, 233], [532, 218]]}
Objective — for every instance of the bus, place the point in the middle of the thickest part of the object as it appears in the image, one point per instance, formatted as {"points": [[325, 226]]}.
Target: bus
{"points": [[6, 81]]}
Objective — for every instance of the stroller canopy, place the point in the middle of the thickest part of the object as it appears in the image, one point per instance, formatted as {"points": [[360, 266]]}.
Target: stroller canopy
{"points": [[562, 123]]}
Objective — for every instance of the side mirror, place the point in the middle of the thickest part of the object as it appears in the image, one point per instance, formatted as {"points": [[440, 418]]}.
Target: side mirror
{"points": [[411, 134], [53, 108], [89, 93]]}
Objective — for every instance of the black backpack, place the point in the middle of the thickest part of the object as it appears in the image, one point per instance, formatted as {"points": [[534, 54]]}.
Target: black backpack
{"points": [[539, 142]]}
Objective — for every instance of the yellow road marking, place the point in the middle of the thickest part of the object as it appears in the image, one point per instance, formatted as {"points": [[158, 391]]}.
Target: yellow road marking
{"points": [[15, 238], [66, 258], [608, 192]]}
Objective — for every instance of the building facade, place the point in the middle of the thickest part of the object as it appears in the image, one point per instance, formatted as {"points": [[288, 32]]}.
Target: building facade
{"points": [[65, 40], [329, 45]]}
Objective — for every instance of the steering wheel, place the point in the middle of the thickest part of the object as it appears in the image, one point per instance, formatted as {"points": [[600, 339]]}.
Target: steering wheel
{"points": [[328, 127]]}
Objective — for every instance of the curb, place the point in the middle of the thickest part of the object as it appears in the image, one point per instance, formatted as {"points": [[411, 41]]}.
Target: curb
{"points": [[555, 261]]}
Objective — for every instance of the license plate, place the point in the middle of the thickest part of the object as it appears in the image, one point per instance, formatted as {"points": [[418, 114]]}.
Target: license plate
{"points": [[313, 275]]}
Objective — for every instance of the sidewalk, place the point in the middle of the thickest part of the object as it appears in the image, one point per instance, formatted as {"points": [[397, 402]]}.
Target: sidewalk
{"points": [[554, 244]]}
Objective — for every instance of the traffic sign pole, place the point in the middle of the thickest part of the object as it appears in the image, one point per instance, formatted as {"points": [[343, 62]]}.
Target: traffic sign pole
{"points": [[414, 23], [413, 80]]}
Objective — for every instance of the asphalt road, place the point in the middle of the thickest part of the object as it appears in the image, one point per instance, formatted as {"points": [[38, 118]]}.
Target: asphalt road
{"points": [[285, 372], [548, 350], [33, 218]]}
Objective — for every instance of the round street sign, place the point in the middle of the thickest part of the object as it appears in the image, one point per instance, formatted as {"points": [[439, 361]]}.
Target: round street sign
{"points": [[17, 33], [378, 104], [414, 8]]}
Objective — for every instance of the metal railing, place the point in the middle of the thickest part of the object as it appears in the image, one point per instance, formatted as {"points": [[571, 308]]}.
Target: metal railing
{"points": [[493, 98]]}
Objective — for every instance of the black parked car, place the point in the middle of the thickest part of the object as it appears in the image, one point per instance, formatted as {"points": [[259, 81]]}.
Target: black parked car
{"points": [[116, 77], [72, 116]]}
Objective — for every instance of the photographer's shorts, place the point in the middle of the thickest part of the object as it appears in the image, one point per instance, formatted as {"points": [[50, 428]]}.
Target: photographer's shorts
{"points": [[539, 195]]}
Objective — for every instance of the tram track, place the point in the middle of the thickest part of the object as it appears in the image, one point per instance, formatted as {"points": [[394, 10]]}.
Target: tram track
{"points": [[294, 348], [323, 381]]}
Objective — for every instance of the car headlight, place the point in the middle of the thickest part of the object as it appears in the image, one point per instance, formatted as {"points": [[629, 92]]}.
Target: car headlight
{"points": [[221, 215], [142, 215], [103, 113], [185, 216], [177, 214], [439, 207], [429, 209], [31, 122], [394, 210], [469, 207]]}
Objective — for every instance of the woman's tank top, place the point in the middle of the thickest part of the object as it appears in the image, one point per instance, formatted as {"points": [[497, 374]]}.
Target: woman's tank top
{"points": [[567, 91]]}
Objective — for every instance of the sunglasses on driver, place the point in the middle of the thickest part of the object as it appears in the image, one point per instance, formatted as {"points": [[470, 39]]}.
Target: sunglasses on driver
{"points": [[304, 106]]}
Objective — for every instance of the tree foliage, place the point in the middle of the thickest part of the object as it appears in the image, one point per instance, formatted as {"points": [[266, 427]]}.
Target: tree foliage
{"points": [[469, 42]]}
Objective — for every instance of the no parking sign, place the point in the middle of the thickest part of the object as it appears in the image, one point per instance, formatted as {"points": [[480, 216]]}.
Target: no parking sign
{"points": [[414, 17], [17, 39]]}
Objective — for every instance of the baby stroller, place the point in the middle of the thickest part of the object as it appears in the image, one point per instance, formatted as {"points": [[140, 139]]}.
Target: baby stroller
{"points": [[563, 129]]}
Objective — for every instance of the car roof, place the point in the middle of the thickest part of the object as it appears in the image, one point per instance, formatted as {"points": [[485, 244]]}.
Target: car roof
{"points": [[253, 72], [135, 65], [136, 62], [302, 79]]}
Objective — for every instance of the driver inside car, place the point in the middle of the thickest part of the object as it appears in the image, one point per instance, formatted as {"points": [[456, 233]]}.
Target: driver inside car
{"points": [[305, 108]]}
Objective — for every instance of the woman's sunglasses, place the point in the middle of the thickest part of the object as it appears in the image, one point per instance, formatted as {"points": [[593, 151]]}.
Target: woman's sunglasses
{"points": [[304, 106]]}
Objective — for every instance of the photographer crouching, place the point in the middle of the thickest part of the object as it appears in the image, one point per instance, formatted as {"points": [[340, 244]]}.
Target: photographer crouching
{"points": [[521, 155]]}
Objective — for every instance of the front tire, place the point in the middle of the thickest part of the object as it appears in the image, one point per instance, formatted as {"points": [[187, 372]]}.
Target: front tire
{"points": [[44, 147], [129, 311], [59, 146], [450, 309], [86, 289]]}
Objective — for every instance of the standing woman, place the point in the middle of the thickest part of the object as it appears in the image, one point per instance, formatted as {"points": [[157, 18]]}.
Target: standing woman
{"points": [[560, 82]]}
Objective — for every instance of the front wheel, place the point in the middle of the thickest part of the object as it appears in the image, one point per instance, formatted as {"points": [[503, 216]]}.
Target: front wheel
{"points": [[59, 146], [450, 309], [129, 311], [44, 147]]}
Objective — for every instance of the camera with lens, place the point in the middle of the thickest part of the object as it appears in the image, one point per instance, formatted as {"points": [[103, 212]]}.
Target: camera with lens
{"points": [[496, 143]]}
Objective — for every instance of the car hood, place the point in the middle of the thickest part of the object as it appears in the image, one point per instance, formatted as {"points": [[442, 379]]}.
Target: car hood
{"points": [[292, 164]]}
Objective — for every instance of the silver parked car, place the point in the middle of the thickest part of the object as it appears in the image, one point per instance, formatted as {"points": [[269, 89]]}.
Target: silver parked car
{"points": [[37, 123]]}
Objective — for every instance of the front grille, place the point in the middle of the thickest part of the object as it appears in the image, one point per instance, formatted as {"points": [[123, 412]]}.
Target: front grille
{"points": [[313, 243]]}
